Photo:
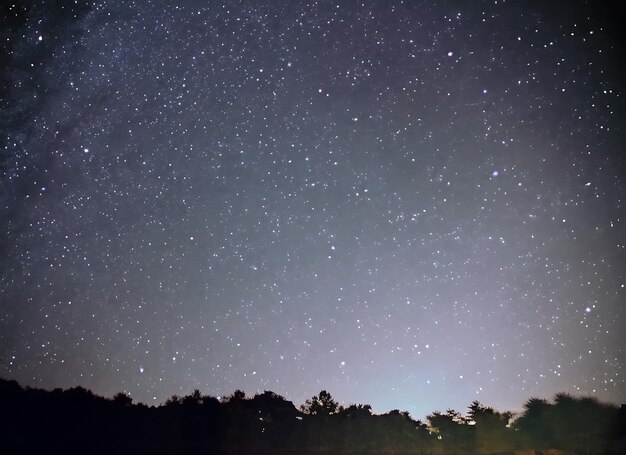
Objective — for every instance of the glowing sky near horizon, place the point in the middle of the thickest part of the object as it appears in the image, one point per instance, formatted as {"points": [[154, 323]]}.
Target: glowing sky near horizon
{"points": [[409, 204]]}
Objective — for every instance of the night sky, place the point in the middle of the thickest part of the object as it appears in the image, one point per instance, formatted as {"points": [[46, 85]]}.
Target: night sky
{"points": [[409, 204]]}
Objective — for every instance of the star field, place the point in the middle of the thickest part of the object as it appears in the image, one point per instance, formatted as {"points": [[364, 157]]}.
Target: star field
{"points": [[409, 204]]}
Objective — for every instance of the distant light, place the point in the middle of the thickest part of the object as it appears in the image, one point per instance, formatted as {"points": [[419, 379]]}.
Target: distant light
{"points": [[485, 91], [40, 38], [495, 174], [588, 310], [141, 369], [450, 54]]}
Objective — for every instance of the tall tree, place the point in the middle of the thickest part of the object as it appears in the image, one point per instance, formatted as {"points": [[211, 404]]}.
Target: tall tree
{"points": [[534, 424], [491, 434], [320, 408], [453, 431], [322, 404]]}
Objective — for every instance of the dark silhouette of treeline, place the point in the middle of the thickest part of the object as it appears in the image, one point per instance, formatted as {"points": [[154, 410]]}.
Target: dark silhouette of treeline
{"points": [[78, 421]]}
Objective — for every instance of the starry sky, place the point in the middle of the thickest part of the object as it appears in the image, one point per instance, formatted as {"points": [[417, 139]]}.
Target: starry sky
{"points": [[409, 204]]}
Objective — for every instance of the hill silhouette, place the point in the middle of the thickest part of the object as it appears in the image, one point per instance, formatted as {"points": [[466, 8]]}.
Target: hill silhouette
{"points": [[78, 421]]}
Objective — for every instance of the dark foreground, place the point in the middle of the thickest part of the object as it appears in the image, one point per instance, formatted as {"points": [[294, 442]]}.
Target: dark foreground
{"points": [[77, 421]]}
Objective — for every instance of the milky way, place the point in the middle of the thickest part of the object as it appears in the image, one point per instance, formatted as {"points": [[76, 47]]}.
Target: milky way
{"points": [[408, 204]]}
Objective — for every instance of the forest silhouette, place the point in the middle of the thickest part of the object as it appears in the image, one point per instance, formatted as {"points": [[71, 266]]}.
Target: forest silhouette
{"points": [[78, 421]]}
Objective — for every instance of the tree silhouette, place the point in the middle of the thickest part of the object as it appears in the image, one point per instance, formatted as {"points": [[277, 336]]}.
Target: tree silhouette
{"points": [[532, 424], [238, 397], [276, 419], [322, 404], [453, 431], [491, 434], [193, 399], [122, 399], [77, 421], [174, 400], [318, 409], [580, 423]]}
